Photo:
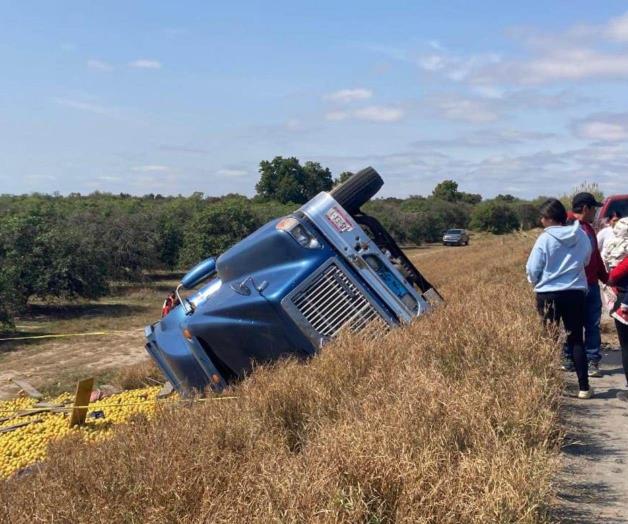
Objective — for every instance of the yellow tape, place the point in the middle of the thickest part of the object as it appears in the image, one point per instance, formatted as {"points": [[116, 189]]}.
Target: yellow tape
{"points": [[96, 333], [62, 335]]}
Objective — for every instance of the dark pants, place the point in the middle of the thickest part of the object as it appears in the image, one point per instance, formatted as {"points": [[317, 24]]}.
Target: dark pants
{"points": [[592, 333], [568, 307], [622, 333]]}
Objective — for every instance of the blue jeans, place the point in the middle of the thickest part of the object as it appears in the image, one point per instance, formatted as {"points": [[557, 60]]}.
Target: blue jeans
{"points": [[592, 334]]}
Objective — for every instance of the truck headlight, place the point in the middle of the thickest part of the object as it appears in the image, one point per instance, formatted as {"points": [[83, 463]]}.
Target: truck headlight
{"points": [[297, 231]]}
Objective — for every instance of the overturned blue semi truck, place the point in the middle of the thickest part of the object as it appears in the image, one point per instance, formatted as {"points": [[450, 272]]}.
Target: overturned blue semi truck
{"points": [[287, 289]]}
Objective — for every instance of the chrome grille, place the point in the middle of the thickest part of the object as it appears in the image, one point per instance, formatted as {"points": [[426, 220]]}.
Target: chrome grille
{"points": [[333, 302]]}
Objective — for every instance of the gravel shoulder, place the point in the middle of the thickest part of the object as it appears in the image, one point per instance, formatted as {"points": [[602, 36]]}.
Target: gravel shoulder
{"points": [[593, 484]]}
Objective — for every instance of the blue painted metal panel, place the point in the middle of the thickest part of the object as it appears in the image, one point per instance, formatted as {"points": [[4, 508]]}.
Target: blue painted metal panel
{"points": [[237, 318]]}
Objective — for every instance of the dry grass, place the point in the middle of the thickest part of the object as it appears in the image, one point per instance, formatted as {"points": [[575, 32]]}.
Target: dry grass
{"points": [[453, 419], [139, 375]]}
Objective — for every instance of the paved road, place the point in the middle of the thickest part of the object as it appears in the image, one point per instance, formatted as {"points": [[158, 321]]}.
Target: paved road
{"points": [[593, 486]]}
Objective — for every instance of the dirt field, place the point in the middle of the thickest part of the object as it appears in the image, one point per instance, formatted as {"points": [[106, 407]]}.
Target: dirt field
{"points": [[54, 364]]}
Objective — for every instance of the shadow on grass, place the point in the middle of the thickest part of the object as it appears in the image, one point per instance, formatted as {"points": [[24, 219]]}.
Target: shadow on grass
{"points": [[129, 289], [43, 317], [74, 311], [165, 275]]}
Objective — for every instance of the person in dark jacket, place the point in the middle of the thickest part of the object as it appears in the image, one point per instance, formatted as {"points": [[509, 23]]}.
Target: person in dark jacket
{"points": [[584, 206], [556, 268]]}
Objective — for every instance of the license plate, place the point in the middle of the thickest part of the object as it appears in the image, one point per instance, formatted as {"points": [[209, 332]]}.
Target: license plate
{"points": [[339, 220]]}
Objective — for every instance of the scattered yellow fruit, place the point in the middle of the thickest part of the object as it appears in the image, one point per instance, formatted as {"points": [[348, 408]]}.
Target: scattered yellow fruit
{"points": [[29, 444]]}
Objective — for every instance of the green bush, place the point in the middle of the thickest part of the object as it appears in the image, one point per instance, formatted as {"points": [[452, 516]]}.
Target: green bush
{"points": [[494, 217], [41, 255], [286, 180], [214, 229]]}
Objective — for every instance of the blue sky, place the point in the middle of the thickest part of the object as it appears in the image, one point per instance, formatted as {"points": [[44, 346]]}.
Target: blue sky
{"points": [[527, 98]]}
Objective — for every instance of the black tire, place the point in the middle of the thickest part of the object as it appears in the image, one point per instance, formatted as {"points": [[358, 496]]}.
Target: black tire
{"points": [[358, 189]]}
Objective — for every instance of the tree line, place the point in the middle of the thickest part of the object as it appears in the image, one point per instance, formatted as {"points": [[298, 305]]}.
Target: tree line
{"points": [[54, 246]]}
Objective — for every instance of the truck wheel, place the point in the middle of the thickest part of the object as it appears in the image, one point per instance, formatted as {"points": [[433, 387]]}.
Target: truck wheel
{"points": [[358, 189]]}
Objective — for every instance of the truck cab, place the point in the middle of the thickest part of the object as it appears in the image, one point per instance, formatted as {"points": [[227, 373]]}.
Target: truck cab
{"points": [[287, 289]]}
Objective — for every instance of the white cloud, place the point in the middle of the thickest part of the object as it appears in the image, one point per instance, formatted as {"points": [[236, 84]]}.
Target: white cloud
{"points": [[349, 95], [493, 105], [89, 107], [232, 172], [571, 64], [606, 127], [577, 53], [151, 168], [435, 44], [488, 91], [432, 62], [336, 116], [379, 114], [454, 67], [617, 28], [143, 63], [99, 65], [604, 131], [463, 109], [485, 138]]}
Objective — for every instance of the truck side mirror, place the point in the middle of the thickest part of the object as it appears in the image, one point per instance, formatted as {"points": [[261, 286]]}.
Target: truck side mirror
{"points": [[199, 272]]}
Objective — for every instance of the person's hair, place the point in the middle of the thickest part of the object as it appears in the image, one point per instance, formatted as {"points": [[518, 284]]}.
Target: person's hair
{"points": [[553, 209], [615, 214]]}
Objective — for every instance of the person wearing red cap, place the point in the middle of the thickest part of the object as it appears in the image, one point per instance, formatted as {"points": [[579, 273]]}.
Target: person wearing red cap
{"points": [[584, 206]]}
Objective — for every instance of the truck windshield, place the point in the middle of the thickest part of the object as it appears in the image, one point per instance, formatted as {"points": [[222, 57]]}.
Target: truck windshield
{"points": [[205, 292], [454, 232]]}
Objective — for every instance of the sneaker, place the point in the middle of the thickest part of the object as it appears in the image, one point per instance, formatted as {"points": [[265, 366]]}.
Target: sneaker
{"points": [[585, 394], [568, 365], [594, 369]]}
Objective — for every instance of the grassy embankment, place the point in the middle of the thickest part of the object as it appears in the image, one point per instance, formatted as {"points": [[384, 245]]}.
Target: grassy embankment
{"points": [[453, 419]]}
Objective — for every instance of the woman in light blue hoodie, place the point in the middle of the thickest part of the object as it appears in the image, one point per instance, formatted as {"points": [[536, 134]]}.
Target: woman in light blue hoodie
{"points": [[556, 269]]}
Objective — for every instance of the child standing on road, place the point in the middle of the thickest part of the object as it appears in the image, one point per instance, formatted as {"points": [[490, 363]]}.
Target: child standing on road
{"points": [[556, 268]]}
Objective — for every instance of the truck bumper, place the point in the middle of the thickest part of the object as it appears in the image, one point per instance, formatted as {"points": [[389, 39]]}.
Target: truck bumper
{"points": [[183, 362]]}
